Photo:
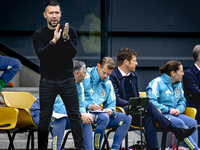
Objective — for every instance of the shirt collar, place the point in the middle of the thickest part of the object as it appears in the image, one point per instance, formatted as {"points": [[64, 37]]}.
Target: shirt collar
{"points": [[197, 66], [123, 74]]}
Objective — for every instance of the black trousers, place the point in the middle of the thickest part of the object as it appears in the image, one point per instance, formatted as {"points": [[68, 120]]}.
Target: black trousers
{"points": [[152, 117], [48, 91]]}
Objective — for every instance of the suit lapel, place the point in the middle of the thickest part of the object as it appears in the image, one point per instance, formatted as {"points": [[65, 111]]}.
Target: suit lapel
{"points": [[197, 72], [132, 78]]}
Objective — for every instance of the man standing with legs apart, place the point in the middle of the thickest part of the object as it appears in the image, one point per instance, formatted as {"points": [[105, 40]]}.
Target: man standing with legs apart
{"points": [[55, 46], [59, 121]]}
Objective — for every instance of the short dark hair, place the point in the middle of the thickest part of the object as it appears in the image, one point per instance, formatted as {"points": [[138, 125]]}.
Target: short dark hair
{"points": [[170, 66], [125, 53], [78, 66], [51, 3], [108, 61], [196, 53]]}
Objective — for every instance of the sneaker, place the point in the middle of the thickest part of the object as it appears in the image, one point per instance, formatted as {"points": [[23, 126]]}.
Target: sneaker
{"points": [[181, 133]]}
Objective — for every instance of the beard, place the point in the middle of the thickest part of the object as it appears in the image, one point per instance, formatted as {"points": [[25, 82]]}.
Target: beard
{"points": [[53, 25]]}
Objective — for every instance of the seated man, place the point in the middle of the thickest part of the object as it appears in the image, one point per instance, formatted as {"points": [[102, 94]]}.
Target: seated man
{"points": [[10, 66], [98, 90], [60, 121], [191, 83], [125, 83]]}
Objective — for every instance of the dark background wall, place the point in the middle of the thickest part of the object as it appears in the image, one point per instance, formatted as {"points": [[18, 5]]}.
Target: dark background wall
{"points": [[158, 30]]}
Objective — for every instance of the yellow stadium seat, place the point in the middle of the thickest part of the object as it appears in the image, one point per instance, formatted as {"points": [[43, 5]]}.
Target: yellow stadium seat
{"points": [[8, 120], [22, 101], [190, 111], [142, 94]]}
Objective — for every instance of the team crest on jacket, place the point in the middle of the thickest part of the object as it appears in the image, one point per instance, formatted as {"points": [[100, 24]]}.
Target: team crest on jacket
{"points": [[177, 91], [102, 92], [168, 92]]}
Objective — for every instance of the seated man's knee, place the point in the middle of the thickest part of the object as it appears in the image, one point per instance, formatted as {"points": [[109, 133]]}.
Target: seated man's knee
{"points": [[103, 118], [150, 106], [16, 64], [193, 122], [180, 123], [129, 119]]}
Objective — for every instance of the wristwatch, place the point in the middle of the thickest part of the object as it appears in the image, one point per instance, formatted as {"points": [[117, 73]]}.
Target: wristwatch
{"points": [[67, 38]]}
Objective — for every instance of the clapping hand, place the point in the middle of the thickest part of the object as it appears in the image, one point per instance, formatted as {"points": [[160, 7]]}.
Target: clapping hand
{"points": [[57, 34], [65, 30]]}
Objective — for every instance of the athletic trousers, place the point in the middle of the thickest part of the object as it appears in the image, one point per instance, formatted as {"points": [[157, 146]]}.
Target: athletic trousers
{"points": [[183, 121], [103, 121], [57, 126]]}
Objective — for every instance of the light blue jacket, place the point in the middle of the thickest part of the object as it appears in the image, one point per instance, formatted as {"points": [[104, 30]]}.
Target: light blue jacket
{"points": [[81, 97], [101, 92], [164, 95], [58, 107]]}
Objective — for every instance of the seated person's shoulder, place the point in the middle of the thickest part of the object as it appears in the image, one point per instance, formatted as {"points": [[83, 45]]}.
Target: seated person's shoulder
{"points": [[134, 73], [188, 72], [156, 81], [87, 76], [109, 82], [86, 81], [88, 71]]}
